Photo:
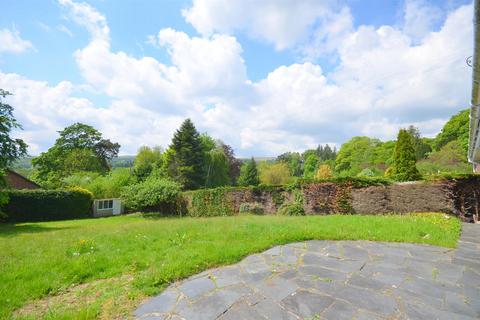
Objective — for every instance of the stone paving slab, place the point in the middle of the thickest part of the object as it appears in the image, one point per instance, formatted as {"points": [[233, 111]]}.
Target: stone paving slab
{"points": [[319, 280]]}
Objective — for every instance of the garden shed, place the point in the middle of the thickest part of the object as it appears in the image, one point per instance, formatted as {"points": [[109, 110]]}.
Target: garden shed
{"points": [[107, 207]]}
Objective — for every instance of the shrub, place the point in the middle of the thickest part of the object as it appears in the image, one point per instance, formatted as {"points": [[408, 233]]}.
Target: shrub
{"points": [[324, 172], [274, 174], [209, 203], [294, 208], [404, 159], [253, 208], [45, 205], [153, 194], [109, 186]]}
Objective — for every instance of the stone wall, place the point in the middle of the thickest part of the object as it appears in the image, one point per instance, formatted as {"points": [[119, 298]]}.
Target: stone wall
{"points": [[454, 196]]}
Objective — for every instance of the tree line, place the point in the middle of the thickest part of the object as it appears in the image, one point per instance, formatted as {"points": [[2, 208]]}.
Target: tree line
{"points": [[81, 156]]}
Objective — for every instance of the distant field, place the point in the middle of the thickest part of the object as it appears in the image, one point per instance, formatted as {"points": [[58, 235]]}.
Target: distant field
{"points": [[103, 268]]}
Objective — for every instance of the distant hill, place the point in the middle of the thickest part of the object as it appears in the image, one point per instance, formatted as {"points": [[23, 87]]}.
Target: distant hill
{"points": [[25, 164]]}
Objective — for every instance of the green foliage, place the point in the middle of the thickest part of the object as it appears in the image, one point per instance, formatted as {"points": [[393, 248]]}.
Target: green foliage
{"points": [[457, 128], [3, 195], [153, 194], [451, 158], [209, 203], [251, 208], [310, 166], [355, 155], [249, 174], [294, 208], [383, 154], [146, 161], [43, 205], [82, 160], [274, 173], [217, 169], [366, 173], [11, 149], [404, 160], [80, 147], [186, 162], [294, 162], [421, 146], [108, 186]]}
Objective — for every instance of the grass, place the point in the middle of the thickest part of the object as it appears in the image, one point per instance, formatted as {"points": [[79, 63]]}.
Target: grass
{"points": [[103, 268]]}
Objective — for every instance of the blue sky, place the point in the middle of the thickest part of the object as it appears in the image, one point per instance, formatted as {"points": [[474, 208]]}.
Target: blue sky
{"points": [[265, 76]]}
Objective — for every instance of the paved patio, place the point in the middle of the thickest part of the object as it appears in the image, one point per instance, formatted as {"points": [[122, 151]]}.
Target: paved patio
{"points": [[333, 280]]}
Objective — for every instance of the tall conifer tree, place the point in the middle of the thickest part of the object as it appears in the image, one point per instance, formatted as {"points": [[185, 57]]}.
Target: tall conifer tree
{"points": [[188, 157], [404, 160]]}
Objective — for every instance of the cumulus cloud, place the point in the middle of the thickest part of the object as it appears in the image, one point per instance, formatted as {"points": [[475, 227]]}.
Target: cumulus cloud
{"points": [[11, 42], [386, 78], [282, 23], [420, 18]]}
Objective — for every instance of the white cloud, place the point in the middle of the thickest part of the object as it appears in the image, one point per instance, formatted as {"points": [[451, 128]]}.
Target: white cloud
{"points": [[385, 79], [420, 18], [11, 42], [282, 23]]}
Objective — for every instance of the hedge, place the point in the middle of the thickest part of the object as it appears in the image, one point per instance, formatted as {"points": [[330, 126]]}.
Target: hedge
{"points": [[46, 205]]}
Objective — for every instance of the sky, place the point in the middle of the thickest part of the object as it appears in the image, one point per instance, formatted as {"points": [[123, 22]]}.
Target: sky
{"points": [[265, 76]]}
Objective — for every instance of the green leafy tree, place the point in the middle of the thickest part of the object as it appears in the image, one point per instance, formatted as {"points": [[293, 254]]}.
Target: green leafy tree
{"points": [[11, 148], [60, 160], [355, 155], [404, 160], [274, 173], [249, 174], [449, 159], [457, 128], [186, 161], [310, 166], [146, 160], [294, 162], [217, 168], [421, 147]]}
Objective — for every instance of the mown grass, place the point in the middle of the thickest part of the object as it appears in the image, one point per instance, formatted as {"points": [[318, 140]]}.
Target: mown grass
{"points": [[121, 260]]}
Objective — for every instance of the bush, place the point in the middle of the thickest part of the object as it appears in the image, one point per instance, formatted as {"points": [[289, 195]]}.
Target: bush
{"points": [[253, 208], [46, 205], [294, 208], [108, 186], [209, 203], [153, 194]]}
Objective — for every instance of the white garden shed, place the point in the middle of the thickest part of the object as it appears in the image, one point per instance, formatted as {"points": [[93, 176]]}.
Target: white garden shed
{"points": [[107, 207]]}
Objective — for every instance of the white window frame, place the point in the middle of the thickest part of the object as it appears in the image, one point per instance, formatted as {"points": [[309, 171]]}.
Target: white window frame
{"points": [[105, 204]]}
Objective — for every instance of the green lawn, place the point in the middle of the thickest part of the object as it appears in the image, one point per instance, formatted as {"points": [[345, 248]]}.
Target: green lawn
{"points": [[103, 268]]}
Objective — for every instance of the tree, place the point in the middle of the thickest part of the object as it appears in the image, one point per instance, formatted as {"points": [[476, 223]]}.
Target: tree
{"points": [[274, 173], [326, 152], [76, 140], [11, 149], [310, 166], [217, 169], [419, 145], [457, 128], [355, 155], [449, 159], [324, 172], [249, 174], [294, 162], [404, 160], [146, 161], [186, 161], [233, 163]]}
